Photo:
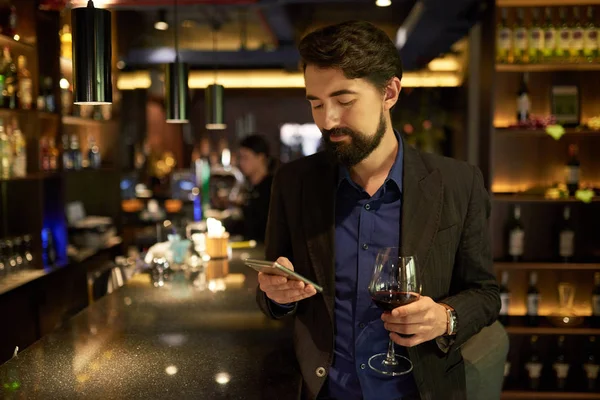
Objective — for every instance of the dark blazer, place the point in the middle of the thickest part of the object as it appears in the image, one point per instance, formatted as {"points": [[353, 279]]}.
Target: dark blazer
{"points": [[445, 210]]}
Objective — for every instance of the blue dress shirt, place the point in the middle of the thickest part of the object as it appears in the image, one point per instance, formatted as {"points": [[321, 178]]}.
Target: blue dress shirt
{"points": [[363, 225]]}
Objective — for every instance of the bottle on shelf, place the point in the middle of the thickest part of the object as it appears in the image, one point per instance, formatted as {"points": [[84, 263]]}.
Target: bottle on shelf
{"points": [[49, 100], [536, 39], [596, 300], [76, 153], [19, 151], [590, 37], [516, 235], [17, 245], [549, 37], [67, 157], [9, 94], [66, 96], [565, 35], [27, 250], [577, 37], [10, 256], [533, 300], [504, 299], [523, 100], [572, 170], [561, 366], [49, 252], [504, 39], [534, 365], [3, 266], [6, 153], [44, 154], [520, 38], [25, 82], [591, 365], [94, 158], [566, 246], [53, 154]]}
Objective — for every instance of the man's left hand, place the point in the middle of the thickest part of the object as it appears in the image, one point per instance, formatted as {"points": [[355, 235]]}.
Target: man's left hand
{"points": [[424, 319]]}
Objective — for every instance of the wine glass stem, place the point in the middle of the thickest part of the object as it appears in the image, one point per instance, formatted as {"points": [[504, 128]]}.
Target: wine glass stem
{"points": [[390, 358]]}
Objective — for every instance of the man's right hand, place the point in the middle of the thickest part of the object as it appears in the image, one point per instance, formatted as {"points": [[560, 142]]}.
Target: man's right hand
{"points": [[283, 290]]}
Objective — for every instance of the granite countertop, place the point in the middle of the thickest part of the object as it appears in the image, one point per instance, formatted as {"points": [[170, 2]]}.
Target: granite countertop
{"points": [[174, 342]]}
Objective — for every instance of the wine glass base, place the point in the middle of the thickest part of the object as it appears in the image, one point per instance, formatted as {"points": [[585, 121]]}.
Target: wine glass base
{"points": [[401, 366]]}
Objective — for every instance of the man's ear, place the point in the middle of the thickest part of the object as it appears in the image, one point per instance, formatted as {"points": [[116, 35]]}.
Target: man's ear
{"points": [[392, 92]]}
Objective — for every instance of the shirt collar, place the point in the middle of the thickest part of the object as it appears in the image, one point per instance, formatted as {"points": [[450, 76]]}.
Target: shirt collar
{"points": [[395, 174]]}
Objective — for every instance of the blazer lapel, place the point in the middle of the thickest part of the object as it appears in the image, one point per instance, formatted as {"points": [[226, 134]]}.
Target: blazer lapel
{"points": [[318, 208], [421, 209]]}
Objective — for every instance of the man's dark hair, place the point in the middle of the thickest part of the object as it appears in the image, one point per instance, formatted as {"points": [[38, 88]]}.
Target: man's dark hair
{"points": [[257, 144], [358, 48]]}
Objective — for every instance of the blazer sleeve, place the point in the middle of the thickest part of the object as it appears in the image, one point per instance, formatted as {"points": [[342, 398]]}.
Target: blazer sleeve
{"points": [[477, 299], [277, 244]]}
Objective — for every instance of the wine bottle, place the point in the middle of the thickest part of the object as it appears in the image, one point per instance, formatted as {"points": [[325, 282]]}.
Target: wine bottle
{"points": [[591, 364], [523, 100], [504, 299], [577, 38], [533, 300], [561, 366], [504, 39], [520, 42], [565, 35], [516, 235], [596, 300], [566, 237], [572, 170], [534, 364], [590, 39], [549, 37], [536, 38]]}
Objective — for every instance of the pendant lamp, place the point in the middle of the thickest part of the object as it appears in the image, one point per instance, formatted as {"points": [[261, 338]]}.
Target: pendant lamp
{"points": [[92, 78], [176, 85], [214, 97]]}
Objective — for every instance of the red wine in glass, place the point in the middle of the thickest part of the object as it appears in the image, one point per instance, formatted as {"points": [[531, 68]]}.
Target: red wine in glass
{"points": [[387, 300]]}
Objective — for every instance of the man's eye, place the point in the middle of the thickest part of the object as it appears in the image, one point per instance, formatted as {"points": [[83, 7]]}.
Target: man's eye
{"points": [[348, 103], [318, 106]]}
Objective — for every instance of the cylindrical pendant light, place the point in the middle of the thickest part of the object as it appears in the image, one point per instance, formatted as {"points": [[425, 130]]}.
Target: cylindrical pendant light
{"points": [[215, 110], [176, 85], [92, 49]]}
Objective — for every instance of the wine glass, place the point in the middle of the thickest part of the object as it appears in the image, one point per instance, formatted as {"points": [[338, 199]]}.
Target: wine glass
{"points": [[394, 283]]}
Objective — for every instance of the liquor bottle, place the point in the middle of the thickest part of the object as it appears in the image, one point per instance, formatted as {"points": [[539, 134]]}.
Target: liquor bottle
{"points": [[44, 154], [566, 244], [17, 244], [590, 37], [76, 153], [534, 364], [561, 366], [596, 301], [523, 100], [10, 256], [591, 365], [94, 158], [27, 250], [536, 39], [503, 39], [5, 153], [67, 157], [49, 100], [565, 36], [49, 252], [25, 91], [53, 154], [577, 38], [516, 235], [572, 170], [520, 41], [549, 37], [19, 151], [9, 94], [533, 300], [504, 299]]}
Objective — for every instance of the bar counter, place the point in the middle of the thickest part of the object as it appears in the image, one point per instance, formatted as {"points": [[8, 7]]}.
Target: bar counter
{"points": [[174, 342]]}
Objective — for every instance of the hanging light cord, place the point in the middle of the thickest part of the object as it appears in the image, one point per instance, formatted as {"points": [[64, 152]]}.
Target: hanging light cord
{"points": [[176, 36], [90, 4]]}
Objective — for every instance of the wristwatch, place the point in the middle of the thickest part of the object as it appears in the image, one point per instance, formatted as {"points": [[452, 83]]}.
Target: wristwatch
{"points": [[451, 321]]}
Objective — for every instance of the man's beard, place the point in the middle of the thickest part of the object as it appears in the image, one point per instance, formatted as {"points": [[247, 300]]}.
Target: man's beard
{"points": [[359, 147]]}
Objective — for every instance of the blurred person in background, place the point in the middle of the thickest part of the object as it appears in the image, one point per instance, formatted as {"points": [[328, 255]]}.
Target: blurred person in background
{"points": [[256, 165]]}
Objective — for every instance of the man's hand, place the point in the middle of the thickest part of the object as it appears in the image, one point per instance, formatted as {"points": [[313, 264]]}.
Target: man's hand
{"points": [[424, 319], [283, 290]]}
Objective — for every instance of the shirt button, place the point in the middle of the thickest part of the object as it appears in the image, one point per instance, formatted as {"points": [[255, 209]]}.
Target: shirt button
{"points": [[365, 246], [363, 366], [361, 325], [320, 372], [367, 206]]}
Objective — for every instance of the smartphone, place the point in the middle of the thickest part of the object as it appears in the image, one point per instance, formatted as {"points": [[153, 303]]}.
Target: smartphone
{"points": [[274, 268]]}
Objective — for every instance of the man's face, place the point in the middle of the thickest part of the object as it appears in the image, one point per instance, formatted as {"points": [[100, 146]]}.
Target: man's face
{"points": [[249, 161], [349, 113]]}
